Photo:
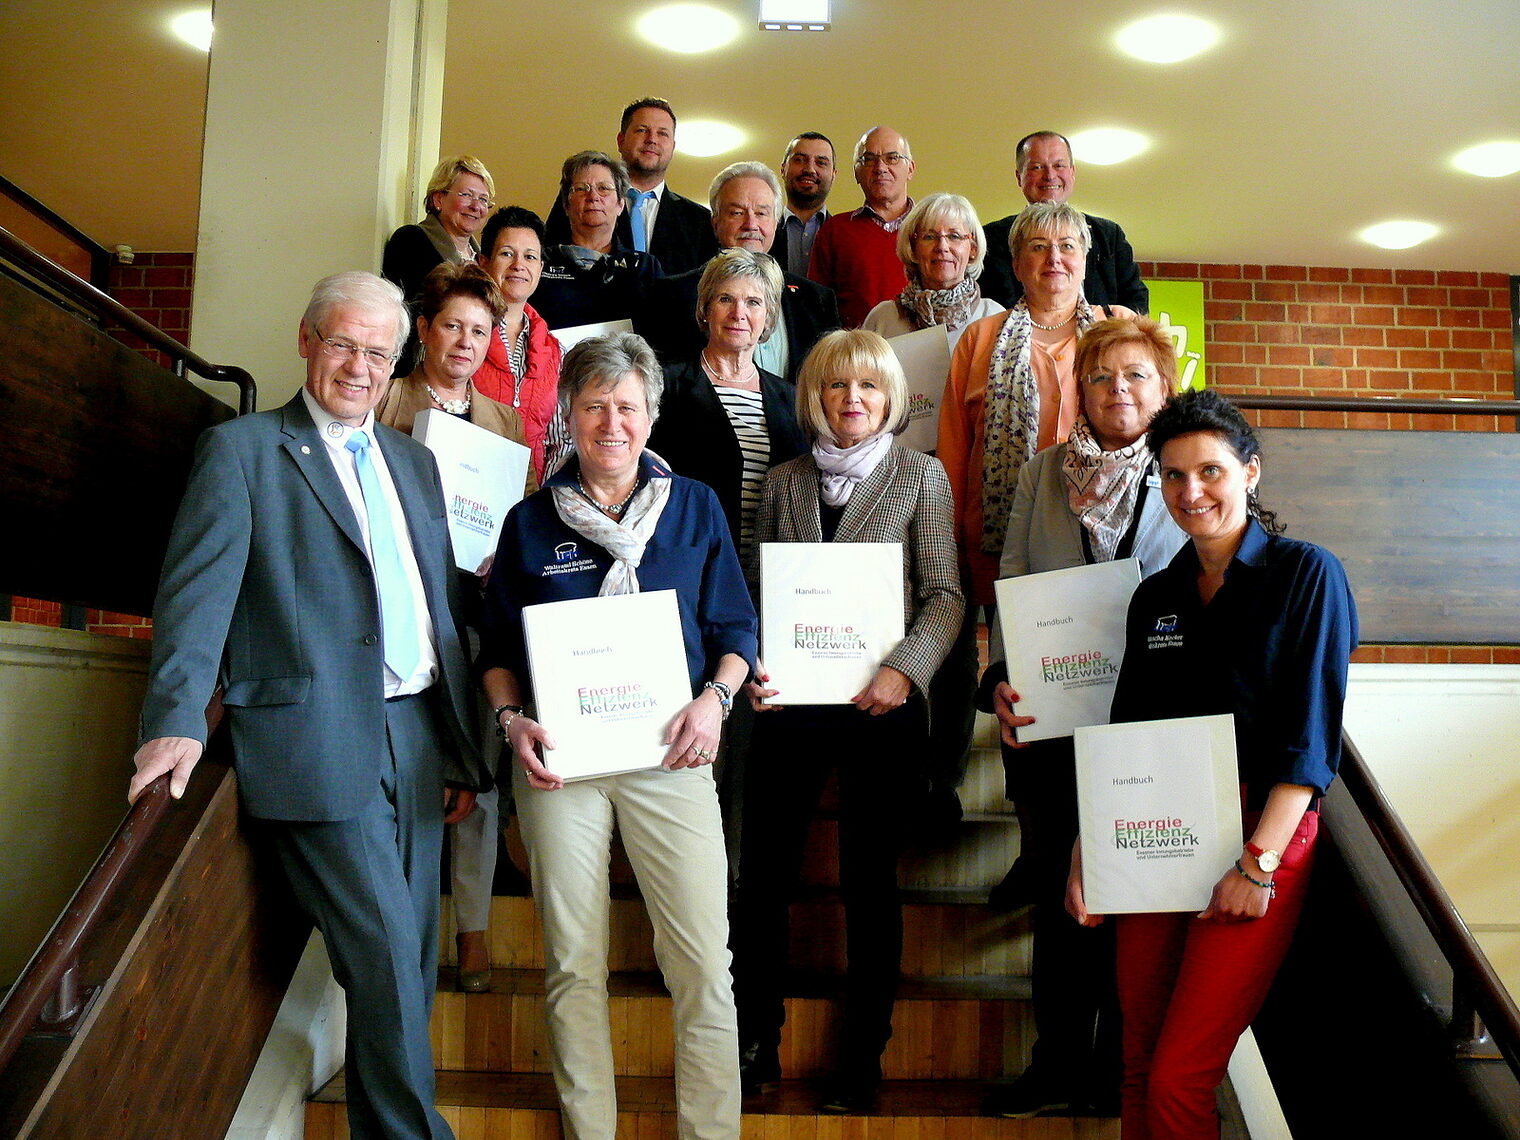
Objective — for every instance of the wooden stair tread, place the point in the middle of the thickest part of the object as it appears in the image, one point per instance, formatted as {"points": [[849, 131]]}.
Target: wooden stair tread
{"points": [[657, 1094], [636, 983]]}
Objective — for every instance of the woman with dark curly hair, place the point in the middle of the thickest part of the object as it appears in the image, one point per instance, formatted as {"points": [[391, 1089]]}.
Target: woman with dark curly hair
{"points": [[1262, 627]]}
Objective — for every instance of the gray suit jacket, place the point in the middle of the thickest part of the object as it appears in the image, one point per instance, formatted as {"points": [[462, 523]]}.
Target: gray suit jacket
{"points": [[1043, 534], [907, 500], [267, 590]]}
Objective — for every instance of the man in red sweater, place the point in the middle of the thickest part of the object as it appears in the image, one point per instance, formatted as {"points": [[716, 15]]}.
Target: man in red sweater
{"points": [[855, 254]]}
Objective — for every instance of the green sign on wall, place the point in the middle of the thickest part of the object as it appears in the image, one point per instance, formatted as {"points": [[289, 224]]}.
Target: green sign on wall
{"points": [[1180, 305]]}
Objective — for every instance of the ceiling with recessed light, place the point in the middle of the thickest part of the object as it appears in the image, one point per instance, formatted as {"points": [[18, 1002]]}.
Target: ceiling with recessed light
{"points": [[1303, 125]]}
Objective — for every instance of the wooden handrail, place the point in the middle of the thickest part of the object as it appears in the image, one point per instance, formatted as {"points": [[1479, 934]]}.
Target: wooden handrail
{"points": [[40, 979], [107, 307], [1454, 406], [1474, 982]]}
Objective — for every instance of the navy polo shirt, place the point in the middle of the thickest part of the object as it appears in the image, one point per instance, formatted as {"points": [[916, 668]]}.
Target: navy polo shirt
{"points": [[540, 559], [1272, 647]]}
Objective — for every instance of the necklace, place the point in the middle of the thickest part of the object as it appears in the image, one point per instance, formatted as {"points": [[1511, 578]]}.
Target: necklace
{"points": [[453, 407], [610, 508], [1058, 325], [743, 378]]}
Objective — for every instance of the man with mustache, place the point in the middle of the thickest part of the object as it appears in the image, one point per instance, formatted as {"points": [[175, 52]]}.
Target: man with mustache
{"points": [[856, 253], [746, 203]]}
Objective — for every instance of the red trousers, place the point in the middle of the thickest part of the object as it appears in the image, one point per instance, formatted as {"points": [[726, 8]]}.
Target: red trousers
{"points": [[1188, 988]]}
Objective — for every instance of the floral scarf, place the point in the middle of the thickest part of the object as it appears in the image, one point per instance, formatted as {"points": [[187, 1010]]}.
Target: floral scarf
{"points": [[1102, 487], [1012, 411], [624, 539], [949, 307]]}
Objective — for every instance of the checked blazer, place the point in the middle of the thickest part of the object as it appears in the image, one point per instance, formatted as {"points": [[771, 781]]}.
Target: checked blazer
{"points": [[907, 500]]}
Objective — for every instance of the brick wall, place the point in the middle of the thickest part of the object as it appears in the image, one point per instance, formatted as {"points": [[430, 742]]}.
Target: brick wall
{"points": [[156, 286], [1292, 330]]}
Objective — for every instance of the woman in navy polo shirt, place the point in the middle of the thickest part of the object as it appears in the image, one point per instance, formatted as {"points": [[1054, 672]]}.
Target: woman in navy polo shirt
{"points": [[635, 525], [1263, 627]]}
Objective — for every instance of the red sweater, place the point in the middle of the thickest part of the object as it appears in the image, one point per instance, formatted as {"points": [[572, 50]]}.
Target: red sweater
{"points": [[540, 390], [857, 259]]}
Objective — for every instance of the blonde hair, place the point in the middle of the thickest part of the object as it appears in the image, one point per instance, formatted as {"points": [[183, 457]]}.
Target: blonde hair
{"points": [[850, 352], [934, 210], [730, 264], [448, 170]]}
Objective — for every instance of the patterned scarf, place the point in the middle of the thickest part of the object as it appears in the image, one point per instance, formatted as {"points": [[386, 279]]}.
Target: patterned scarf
{"points": [[841, 468], [949, 307], [624, 540], [1102, 487], [1012, 411]]}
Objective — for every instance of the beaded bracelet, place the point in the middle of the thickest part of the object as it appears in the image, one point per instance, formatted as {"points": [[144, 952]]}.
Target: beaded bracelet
{"points": [[1269, 885]]}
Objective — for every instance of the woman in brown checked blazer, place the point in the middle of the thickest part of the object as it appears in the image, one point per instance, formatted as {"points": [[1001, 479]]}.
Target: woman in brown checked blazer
{"points": [[855, 485]]}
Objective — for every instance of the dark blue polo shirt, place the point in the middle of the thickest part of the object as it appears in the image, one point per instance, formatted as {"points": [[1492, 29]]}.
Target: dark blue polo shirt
{"points": [[1272, 648], [540, 559]]}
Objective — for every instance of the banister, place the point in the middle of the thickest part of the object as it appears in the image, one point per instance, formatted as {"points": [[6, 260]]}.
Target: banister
{"points": [[26, 999], [105, 306], [1452, 406], [1473, 975]]}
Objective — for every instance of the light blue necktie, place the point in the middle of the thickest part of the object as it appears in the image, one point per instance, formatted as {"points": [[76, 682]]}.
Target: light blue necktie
{"points": [[636, 218], [398, 618]]}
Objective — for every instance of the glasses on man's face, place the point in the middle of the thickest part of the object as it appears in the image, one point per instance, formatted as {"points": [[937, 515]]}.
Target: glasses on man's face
{"points": [[470, 198], [346, 350], [953, 237], [600, 189], [871, 158]]}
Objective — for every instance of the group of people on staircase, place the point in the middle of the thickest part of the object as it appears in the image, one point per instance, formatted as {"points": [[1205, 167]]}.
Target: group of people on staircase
{"points": [[309, 591]]}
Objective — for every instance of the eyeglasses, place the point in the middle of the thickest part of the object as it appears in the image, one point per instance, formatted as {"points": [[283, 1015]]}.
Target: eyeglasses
{"points": [[1133, 377], [600, 189], [346, 350], [954, 237], [470, 198], [871, 158]]}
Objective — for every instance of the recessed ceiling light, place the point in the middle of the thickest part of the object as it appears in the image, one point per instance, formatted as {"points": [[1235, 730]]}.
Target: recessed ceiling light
{"points": [[1105, 146], [1167, 39], [688, 28], [194, 27], [794, 15], [703, 138], [1489, 160], [1398, 235]]}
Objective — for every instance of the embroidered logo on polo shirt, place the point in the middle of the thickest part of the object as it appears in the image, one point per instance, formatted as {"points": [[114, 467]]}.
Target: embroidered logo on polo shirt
{"points": [[564, 552], [1166, 635]]}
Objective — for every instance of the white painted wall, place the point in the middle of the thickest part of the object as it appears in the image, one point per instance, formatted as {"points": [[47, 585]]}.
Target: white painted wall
{"points": [[1444, 742], [321, 125]]}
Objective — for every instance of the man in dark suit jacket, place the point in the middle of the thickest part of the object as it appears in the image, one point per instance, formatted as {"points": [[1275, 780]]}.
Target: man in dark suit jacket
{"points": [[681, 235], [309, 577], [746, 204], [1046, 174]]}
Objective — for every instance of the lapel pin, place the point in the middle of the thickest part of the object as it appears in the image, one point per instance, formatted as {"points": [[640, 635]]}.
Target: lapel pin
{"points": [[305, 450]]}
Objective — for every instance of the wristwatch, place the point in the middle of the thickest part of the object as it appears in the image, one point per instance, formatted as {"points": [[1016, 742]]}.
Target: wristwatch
{"points": [[1268, 861]]}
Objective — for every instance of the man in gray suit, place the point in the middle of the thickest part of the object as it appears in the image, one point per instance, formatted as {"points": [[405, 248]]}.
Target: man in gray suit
{"points": [[309, 578]]}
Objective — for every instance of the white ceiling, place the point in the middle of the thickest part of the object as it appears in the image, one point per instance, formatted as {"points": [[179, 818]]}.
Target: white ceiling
{"points": [[1306, 123]]}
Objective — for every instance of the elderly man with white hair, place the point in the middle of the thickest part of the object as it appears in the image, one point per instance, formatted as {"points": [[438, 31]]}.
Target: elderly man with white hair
{"points": [[746, 203]]}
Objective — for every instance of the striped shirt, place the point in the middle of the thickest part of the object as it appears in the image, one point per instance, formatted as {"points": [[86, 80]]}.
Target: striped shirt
{"points": [[746, 413]]}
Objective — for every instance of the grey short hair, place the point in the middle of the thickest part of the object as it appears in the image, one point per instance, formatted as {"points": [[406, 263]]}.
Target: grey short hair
{"points": [[1048, 218], [604, 361], [361, 290], [579, 161], [860, 145], [735, 263], [936, 210], [843, 353], [451, 168], [743, 170]]}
